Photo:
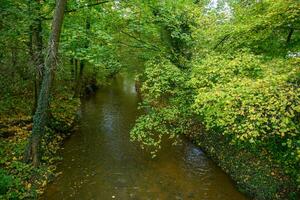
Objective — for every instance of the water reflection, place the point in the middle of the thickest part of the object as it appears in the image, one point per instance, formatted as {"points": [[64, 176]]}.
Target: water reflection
{"points": [[100, 162]]}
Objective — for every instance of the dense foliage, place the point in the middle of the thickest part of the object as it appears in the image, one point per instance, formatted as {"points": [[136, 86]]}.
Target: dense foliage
{"points": [[241, 82], [85, 61], [254, 105], [226, 70]]}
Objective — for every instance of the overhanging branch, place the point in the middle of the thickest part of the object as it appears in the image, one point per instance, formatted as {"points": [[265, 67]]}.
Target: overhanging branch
{"points": [[140, 41], [86, 6], [221, 41], [80, 7]]}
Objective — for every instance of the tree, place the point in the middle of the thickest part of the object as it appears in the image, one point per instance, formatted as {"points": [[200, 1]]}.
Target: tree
{"points": [[36, 47], [32, 152]]}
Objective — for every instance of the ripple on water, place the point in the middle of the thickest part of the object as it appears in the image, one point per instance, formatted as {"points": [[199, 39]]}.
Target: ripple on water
{"points": [[100, 162]]}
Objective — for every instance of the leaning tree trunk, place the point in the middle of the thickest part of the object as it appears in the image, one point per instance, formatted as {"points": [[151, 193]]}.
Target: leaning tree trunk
{"points": [[32, 152], [37, 57]]}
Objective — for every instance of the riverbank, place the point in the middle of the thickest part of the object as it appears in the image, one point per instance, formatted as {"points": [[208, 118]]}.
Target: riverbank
{"points": [[19, 180], [256, 174], [263, 166]]}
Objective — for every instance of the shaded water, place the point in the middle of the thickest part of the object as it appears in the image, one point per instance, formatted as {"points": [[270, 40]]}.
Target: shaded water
{"points": [[99, 161]]}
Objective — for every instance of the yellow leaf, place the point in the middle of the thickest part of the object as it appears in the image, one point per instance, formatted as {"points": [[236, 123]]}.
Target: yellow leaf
{"points": [[28, 186]]}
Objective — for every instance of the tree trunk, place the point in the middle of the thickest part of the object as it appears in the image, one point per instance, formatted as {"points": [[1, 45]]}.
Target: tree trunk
{"points": [[78, 86], [72, 68], [37, 57], [32, 152], [14, 58], [76, 70], [289, 37]]}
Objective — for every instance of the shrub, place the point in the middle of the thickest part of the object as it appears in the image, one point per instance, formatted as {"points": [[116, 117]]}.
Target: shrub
{"points": [[256, 103]]}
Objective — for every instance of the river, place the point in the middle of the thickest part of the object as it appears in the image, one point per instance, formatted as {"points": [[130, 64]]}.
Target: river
{"points": [[100, 162]]}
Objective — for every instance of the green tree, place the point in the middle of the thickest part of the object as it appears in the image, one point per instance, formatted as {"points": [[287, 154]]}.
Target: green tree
{"points": [[40, 117]]}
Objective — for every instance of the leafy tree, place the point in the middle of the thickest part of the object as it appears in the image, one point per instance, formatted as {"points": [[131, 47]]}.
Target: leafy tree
{"points": [[40, 116], [241, 80]]}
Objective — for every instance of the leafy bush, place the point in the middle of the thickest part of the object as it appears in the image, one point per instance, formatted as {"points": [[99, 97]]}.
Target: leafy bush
{"points": [[255, 103], [166, 102]]}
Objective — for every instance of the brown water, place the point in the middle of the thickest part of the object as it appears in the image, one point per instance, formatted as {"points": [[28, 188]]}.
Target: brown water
{"points": [[99, 161]]}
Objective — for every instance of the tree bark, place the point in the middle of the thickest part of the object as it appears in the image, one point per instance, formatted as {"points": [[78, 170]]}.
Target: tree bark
{"points": [[289, 37], [76, 71], [72, 68], [37, 57], [32, 152], [14, 60]]}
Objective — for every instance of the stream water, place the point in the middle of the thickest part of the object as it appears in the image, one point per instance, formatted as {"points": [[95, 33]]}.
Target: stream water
{"points": [[100, 162]]}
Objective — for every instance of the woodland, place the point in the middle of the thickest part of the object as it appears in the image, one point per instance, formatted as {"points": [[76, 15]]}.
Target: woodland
{"points": [[223, 73]]}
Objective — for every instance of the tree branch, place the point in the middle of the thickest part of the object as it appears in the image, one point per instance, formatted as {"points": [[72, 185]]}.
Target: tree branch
{"points": [[135, 46], [84, 6], [221, 41], [139, 40]]}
